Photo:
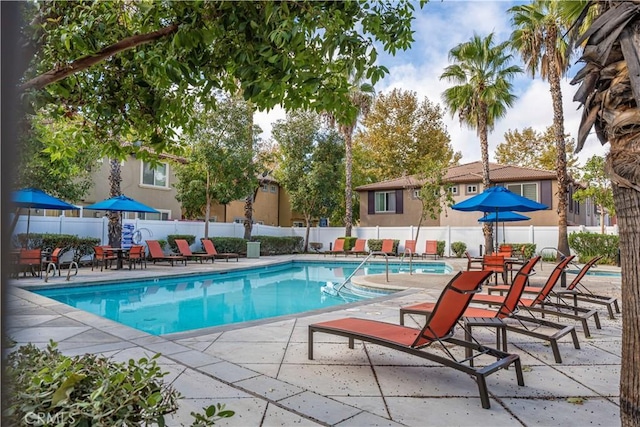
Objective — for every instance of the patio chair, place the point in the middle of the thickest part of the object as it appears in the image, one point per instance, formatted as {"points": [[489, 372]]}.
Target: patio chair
{"points": [[431, 248], [185, 250], [338, 248], [102, 257], [30, 260], [137, 255], [358, 248], [495, 264], [53, 258], [543, 305], [410, 248], [210, 249], [157, 254], [579, 292], [439, 328], [473, 263], [387, 248], [508, 308]]}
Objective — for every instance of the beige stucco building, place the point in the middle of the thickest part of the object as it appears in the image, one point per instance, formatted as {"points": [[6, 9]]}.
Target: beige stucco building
{"points": [[395, 202]]}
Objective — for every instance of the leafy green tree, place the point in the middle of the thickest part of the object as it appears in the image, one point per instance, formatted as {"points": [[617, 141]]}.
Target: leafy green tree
{"points": [[531, 149], [140, 68], [57, 156], [598, 188], [219, 167], [481, 94], [310, 164], [539, 37], [400, 134]]}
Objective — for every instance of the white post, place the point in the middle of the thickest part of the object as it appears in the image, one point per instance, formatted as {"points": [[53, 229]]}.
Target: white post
{"points": [[448, 239]]}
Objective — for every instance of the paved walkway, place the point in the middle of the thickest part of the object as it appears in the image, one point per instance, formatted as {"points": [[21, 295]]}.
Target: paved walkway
{"points": [[261, 370]]}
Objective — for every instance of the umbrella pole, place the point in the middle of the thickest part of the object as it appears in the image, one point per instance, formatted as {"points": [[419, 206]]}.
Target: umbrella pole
{"points": [[26, 241]]}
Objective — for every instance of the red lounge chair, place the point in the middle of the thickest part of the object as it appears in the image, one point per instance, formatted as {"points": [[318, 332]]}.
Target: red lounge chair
{"points": [[387, 247], [478, 316], [542, 300], [338, 248], [185, 251], [410, 248], [358, 248], [156, 253], [579, 292], [210, 249], [431, 248], [439, 328]]}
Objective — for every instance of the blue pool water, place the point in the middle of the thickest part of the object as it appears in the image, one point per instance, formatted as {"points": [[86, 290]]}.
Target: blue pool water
{"points": [[178, 304], [598, 273]]}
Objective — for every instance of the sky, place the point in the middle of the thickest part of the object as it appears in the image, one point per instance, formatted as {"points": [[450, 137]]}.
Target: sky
{"points": [[441, 25]]}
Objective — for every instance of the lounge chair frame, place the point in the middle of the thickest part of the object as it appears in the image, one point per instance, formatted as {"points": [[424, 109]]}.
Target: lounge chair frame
{"points": [[210, 249], [185, 251], [358, 248], [154, 254], [427, 336], [337, 248]]}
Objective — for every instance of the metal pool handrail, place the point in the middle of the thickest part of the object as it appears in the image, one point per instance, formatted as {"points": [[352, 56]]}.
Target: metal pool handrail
{"points": [[386, 257]]}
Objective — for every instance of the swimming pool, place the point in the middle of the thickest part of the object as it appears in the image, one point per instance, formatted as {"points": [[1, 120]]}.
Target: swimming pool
{"points": [[178, 304]]}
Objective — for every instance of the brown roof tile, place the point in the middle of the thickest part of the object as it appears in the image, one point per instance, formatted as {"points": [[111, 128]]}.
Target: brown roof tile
{"points": [[468, 172]]}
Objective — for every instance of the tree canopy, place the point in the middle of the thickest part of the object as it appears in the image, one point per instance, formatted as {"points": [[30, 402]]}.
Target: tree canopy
{"points": [[400, 134], [310, 164], [597, 188], [532, 149], [219, 167], [140, 68]]}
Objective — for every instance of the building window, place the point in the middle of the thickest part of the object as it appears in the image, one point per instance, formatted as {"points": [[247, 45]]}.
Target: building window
{"points": [[155, 176], [272, 188], [298, 223], [385, 201], [528, 190], [453, 190], [472, 189], [164, 215], [416, 194], [265, 188], [238, 220]]}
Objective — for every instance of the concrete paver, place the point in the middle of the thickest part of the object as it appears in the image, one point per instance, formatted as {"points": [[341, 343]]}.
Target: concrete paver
{"points": [[261, 370]]}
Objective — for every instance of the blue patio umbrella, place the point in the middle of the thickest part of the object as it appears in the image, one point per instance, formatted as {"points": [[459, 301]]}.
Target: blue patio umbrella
{"points": [[34, 198], [503, 217], [121, 203], [498, 199]]}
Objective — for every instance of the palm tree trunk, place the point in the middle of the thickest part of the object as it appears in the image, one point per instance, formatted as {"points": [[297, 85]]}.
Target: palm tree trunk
{"points": [[627, 207], [207, 209], [115, 223], [561, 150], [487, 228]]}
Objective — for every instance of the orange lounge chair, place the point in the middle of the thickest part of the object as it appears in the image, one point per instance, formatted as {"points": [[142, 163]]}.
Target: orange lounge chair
{"points": [[387, 247], [478, 316], [210, 249], [185, 251], [431, 248], [156, 253], [358, 248], [338, 248], [579, 292], [542, 300], [439, 328], [410, 248]]}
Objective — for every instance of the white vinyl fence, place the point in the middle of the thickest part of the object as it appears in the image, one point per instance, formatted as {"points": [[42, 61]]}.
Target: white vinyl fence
{"points": [[543, 237]]}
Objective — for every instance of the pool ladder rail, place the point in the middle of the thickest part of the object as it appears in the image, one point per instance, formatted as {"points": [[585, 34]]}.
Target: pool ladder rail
{"points": [[330, 289]]}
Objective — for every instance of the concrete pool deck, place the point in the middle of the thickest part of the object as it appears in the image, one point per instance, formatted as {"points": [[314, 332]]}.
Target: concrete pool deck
{"points": [[261, 371]]}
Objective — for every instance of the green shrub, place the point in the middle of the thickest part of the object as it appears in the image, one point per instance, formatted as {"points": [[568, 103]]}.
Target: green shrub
{"points": [[349, 242], [49, 388], [440, 248], [171, 238], [458, 248], [588, 245], [236, 245], [272, 245]]}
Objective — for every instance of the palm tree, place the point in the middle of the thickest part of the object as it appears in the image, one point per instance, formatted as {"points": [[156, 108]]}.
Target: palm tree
{"points": [[481, 95], [610, 93], [115, 224], [538, 37], [361, 96]]}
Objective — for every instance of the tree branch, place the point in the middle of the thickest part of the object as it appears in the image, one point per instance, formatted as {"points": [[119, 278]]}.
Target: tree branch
{"points": [[85, 62]]}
